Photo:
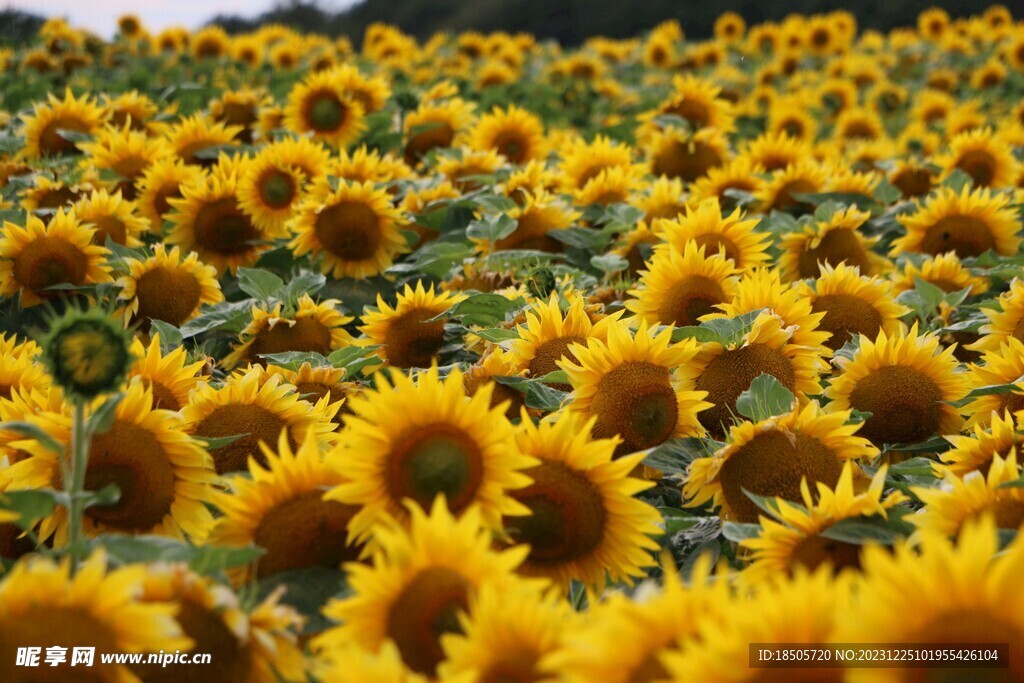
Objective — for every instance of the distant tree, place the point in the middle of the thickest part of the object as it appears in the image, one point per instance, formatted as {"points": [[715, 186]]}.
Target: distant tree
{"points": [[18, 27]]}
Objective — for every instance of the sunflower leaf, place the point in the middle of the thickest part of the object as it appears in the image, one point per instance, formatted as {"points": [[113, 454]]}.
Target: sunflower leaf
{"points": [[212, 443], [31, 431], [537, 395], [496, 335], [736, 532], [103, 417], [609, 263], [170, 336], [484, 310], [765, 398], [768, 505], [293, 360], [259, 284], [866, 529], [675, 455], [492, 228], [146, 548], [227, 316], [307, 591], [303, 283], [31, 505]]}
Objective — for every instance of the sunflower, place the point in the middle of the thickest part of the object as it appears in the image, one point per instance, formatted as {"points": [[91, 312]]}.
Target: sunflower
{"points": [[801, 177], [167, 287], [853, 304], [161, 182], [462, 166], [125, 152], [515, 133], [696, 100], [793, 537], [629, 383], [959, 500], [42, 127], [366, 165], [407, 332], [945, 271], [50, 193], [739, 175], [724, 372], [37, 256], [762, 288], [352, 662], [240, 108], [705, 225], [977, 451], [419, 582], [113, 217], [269, 191], [982, 155], [434, 125], [312, 327], [940, 593], [372, 92], [196, 139], [260, 646], [1001, 365], [441, 444], [353, 229], [581, 162], [532, 178], [905, 381], [836, 241], [679, 287], [1005, 321], [775, 152], [310, 157], [253, 407], [584, 523], [20, 372], [163, 475], [549, 333], [210, 42], [41, 602], [789, 116], [805, 609], [496, 362], [664, 198], [270, 508], [773, 458], [317, 383], [613, 185], [168, 376], [323, 108], [673, 154], [629, 640], [969, 223]]}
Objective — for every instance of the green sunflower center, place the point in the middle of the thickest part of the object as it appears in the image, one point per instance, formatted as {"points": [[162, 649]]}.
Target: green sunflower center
{"points": [[433, 460], [277, 189], [326, 112], [636, 401]]}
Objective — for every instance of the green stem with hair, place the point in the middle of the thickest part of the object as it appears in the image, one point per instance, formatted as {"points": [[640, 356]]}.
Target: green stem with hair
{"points": [[75, 484]]}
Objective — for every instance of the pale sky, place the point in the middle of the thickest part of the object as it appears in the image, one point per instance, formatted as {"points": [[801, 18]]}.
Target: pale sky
{"points": [[100, 16]]}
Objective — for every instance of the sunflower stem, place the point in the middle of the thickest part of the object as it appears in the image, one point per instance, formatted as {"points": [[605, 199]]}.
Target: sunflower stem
{"points": [[76, 485]]}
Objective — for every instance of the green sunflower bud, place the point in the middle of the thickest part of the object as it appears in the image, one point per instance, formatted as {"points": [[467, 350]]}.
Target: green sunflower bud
{"points": [[87, 353]]}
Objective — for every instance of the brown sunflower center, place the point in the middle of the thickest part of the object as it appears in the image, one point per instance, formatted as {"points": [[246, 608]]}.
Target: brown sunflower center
{"points": [[567, 515], [650, 669], [49, 261], [230, 659], [772, 464], [427, 608], [685, 160], [306, 334], [836, 246], [904, 404], [846, 316], [966, 235], [411, 341], [350, 231], [730, 374], [636, 401], [814, 551], [439, 134], [108, 226], [690, 298], [531, 232], [981, 624], [432, 460], [255, 422], [13, 542], [222, 228], [168, 294], [71, 627], [513, 145], [1008, 512], [980, 165], [693, 110], [163, 194], [784, 197], [512, 667], [277, 188], [547, 355], [52, 143], [131, 458], [163, 398], [304, 531]]}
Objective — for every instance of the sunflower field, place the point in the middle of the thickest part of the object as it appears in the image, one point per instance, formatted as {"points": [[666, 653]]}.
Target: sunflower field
{"points": [[487, 360]]}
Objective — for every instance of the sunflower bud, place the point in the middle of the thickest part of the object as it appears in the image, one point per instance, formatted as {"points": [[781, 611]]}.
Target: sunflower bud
{"points": [[87, 353]]}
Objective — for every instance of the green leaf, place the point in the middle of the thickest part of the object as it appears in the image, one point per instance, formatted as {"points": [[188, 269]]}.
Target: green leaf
{"points": [[31, 431], [957, 181], [554, 377], [869, 529], [484, 310], [609, 263], [103, 417], [737, 532], [170, 336], [108, 495], [212, 443], [223, 315], [74, 136], [354, 358], [587, 239], [844, 199], [677, 520], [929, 293], [496, 335], [307, 590], [147, 548], [765, 398], [303, 283], [766, 504], [537, 395], [725, 331], [30, 504], [293, 360], [492, 228], [259, 284], [675, 455]]}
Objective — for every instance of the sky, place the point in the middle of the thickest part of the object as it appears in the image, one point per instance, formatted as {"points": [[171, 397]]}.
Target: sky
{"points": [[100, 16]]}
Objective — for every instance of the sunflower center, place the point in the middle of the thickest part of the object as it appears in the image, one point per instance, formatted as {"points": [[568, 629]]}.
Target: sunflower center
{"points": [[514, 146], [255, 422], [1018, 330], [42, 623], [349, 230], [440, 134], [411, 341], [304, 531], [695, 112], [567, 515], [978, 164], [835, 247], [427, 608], [685, 160], [277, 189], [325, 112], [230, 660], [966, 625], [221, 227], [306, 334], [131, 458], [531, 232], [1009, 512], [512, 667], [162, 196], [163, 398], [966, 235], [772, 464], [432, 460], [650, 669], [846, 316], [49, 261], [167, 294], [692, 297], [636, 401], [814, 551], [545, 358], [52, 143], [904, 405], [13, 542], [108, 226], [731, 373], [784, 197]]}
